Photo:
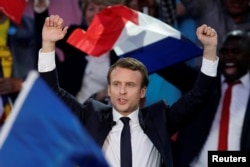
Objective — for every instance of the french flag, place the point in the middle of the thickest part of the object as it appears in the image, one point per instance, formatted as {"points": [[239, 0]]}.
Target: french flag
{"points": [[41, 131], [13, 9], [134, 34]]}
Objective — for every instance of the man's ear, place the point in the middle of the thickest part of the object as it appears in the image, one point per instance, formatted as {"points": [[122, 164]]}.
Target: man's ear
{"points": [[108, 90], [143, 92]]}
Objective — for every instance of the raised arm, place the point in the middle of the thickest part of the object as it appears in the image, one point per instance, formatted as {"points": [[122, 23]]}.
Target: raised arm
{"points": [[208, 38], [53, 30], [185, 109]]}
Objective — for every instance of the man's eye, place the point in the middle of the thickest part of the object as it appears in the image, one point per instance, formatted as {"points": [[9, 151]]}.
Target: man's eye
{"points": [[225, 51], [116, 84], [130, 84]]}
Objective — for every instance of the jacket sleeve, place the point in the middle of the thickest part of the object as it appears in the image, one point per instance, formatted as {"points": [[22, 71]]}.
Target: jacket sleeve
{"points": [[188, 106], [52, 80]]}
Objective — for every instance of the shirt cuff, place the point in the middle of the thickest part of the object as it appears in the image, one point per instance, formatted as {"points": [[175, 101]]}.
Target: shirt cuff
{"points": [[209, 67], [46, 61]]}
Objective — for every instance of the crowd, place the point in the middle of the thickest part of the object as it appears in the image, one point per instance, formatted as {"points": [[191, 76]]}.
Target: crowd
{"points": [[180, 134]]}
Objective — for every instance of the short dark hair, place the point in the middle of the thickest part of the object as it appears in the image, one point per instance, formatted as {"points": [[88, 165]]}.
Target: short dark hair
{"points": [[132, 64], [239, 35], [84, 3]]}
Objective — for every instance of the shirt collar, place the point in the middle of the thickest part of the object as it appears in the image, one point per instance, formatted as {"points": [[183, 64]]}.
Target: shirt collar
{"points": [[133, 116], [245, 80]]}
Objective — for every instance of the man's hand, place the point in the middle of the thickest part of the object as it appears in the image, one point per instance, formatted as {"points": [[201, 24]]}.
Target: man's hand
{"points": [[208, 38], [10, 85], [207, 35], [102, 94], [53, 30]]}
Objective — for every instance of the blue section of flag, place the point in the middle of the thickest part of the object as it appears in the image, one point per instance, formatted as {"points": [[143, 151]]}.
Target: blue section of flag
{"points": [[42, 132], [160, 89], [165, 52]]}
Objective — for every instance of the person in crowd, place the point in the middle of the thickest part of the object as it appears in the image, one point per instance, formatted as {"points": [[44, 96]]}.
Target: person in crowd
{"points": [[77, 65], [204, 133], [187, 26], [223, 15], [18, 48], [144, 6], [166, 11], [160, 9], [148, 142]]}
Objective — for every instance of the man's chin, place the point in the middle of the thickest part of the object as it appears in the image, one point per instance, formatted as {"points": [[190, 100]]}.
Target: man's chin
{"points": [[121, 108], [230, 76]]}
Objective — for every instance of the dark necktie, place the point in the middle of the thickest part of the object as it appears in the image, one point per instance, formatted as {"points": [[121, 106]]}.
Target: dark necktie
{"points": [[125, 149], [224, 122]]}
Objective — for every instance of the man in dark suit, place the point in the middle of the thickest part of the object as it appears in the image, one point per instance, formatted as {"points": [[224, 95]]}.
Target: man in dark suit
{"points": [[203, 134], [127, 83]]}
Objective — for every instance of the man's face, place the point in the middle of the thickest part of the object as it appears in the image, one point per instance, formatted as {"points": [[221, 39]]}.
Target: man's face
{"points": [[236, 7], [234, 60], [125, 90], [91, 10], [133, 4]]}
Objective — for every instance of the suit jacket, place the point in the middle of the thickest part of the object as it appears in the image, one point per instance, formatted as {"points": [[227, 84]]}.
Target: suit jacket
{"points": [[192, 138], [159, 121]]}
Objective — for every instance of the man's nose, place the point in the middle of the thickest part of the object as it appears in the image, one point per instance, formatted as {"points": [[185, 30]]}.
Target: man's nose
{"points": [[123, 89]]}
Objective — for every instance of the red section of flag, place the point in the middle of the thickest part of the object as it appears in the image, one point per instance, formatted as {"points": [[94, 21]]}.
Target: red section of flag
{"points": [[103, 31], [13, 9]]}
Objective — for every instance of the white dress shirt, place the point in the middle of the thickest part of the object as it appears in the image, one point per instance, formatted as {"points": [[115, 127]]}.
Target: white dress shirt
{"points": [[240, 96], [94, 79], [144, 153]]}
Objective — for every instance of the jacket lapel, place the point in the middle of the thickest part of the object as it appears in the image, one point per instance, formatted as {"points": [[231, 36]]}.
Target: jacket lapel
{"points": [[245, 135]]}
